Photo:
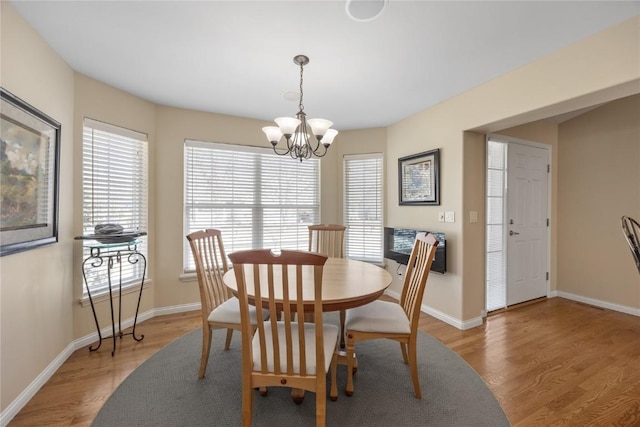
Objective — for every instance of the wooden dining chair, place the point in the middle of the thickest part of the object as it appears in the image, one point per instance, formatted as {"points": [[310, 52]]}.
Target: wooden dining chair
{"points": [[220, 309], [631, 230], [328, 239], [286, 352], [395, 321]]}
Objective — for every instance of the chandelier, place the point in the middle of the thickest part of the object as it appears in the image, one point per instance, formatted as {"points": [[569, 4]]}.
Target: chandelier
{"points": [[296, 130]]}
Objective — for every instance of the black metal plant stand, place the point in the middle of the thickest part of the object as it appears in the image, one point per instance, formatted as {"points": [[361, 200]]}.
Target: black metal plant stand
{"points": [[113, 255]]}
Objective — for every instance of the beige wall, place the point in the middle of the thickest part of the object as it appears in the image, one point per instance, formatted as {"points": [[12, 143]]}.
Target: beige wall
{"points": [[474, 171], [598, 69], [44, 283], [36, 287], [599, 182]]}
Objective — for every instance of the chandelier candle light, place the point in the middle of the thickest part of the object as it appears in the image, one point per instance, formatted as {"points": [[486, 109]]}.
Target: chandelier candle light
{"points": [[296, 130]]}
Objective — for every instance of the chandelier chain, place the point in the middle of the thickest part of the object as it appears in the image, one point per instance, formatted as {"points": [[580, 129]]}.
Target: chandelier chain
{"points": [[300, 106]]}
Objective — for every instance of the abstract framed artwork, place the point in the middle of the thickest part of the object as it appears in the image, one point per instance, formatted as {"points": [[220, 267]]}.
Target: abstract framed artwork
{"points": [[29, 176], [419, 178]]}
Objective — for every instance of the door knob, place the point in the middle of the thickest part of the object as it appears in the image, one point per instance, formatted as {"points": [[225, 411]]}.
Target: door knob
{"points": [[513, 233]]}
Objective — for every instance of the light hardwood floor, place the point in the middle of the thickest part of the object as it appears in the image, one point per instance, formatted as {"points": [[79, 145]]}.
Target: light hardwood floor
{"points": [[554, 362]]}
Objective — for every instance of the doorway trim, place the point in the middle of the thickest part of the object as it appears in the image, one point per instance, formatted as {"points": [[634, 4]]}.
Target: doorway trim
{"points": [[504, 223]]}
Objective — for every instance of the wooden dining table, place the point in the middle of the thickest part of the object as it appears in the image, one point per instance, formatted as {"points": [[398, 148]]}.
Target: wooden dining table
{"points": [[346, 283]]}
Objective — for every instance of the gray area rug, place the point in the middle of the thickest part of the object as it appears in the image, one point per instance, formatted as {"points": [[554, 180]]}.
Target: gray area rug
{"points": [[165, 391]]}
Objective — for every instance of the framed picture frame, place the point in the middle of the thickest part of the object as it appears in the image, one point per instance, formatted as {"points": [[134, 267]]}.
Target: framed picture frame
{"points": [[29, 176], [419, 178]]}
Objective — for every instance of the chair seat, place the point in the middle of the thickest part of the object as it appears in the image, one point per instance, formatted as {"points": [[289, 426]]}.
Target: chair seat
{"points": [[378, 316], [229, 312], [330, 336]]}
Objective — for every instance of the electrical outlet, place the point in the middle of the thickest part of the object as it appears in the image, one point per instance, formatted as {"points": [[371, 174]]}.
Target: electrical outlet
{"points": [[449, 216], [441, 216], [473, 216]]}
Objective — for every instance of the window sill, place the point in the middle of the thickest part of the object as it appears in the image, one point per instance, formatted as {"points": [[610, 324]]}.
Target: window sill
{"points": [[188, 277], [103, 294]]}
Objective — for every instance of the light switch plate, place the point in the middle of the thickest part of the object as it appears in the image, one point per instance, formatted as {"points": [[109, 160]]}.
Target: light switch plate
{"points": [[473, 216], [449, 216]]}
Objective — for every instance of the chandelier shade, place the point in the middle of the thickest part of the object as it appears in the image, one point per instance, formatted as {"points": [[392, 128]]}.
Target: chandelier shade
{"points": [[303, 138]]}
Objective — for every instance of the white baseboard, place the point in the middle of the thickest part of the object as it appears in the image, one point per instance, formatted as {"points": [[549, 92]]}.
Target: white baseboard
{"points": [[599, 303], [27, 394], [182, 308], [457, 323], [460, 324]]}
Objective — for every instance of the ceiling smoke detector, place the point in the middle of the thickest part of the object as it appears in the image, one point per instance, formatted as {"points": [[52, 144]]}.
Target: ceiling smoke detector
{"points": [[365, 10]]}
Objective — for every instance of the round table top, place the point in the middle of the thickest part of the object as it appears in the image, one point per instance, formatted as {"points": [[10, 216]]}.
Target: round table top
{"points": [[346, 283]]}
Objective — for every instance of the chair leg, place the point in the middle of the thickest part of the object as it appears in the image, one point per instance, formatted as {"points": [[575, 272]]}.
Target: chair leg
{"points": [[227, 342], [413, 363], [342, 319], [206, 348], [334, 377], [321, 401], [350, 351], [247, 404], [403, 348]]}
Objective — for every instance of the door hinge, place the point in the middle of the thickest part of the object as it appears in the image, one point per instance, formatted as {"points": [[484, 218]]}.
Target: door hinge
{"points": [[547, 222], [548, 168], [547, 275]]}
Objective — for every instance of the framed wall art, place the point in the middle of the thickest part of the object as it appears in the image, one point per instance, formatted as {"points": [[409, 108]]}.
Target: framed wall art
{"points": [[29, 176], [419, 178]]}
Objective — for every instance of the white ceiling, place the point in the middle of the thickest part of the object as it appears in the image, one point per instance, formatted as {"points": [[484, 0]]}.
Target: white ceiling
{"points": [[236, 57]]}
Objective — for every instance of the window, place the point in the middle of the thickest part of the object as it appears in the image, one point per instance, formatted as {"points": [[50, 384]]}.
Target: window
{"points": [[255, 197], [363, 206], [114, 189], [495, 244]]}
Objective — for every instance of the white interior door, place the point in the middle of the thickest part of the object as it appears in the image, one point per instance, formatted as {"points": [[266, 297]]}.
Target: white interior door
{"points": [[527, 222]]}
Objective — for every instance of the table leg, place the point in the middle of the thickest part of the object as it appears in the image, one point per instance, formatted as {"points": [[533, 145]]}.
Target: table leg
{"points": [[144, 272], [342, 360], [97, 260], [93, 309], [113, 323]]}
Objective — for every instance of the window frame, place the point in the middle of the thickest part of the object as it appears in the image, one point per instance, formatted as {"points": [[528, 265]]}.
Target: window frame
{"points": [[378, 255]]}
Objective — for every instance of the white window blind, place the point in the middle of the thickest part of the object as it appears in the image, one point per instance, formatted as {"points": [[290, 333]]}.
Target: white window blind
{"points": [[114, 188], [255, 197], [363, 206]]}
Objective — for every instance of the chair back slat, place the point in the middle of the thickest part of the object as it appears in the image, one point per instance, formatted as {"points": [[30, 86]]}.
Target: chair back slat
{"points": [[211, 264], [327, 239], [300, 322], [259, 303], [415, 280], [277, 284]]}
